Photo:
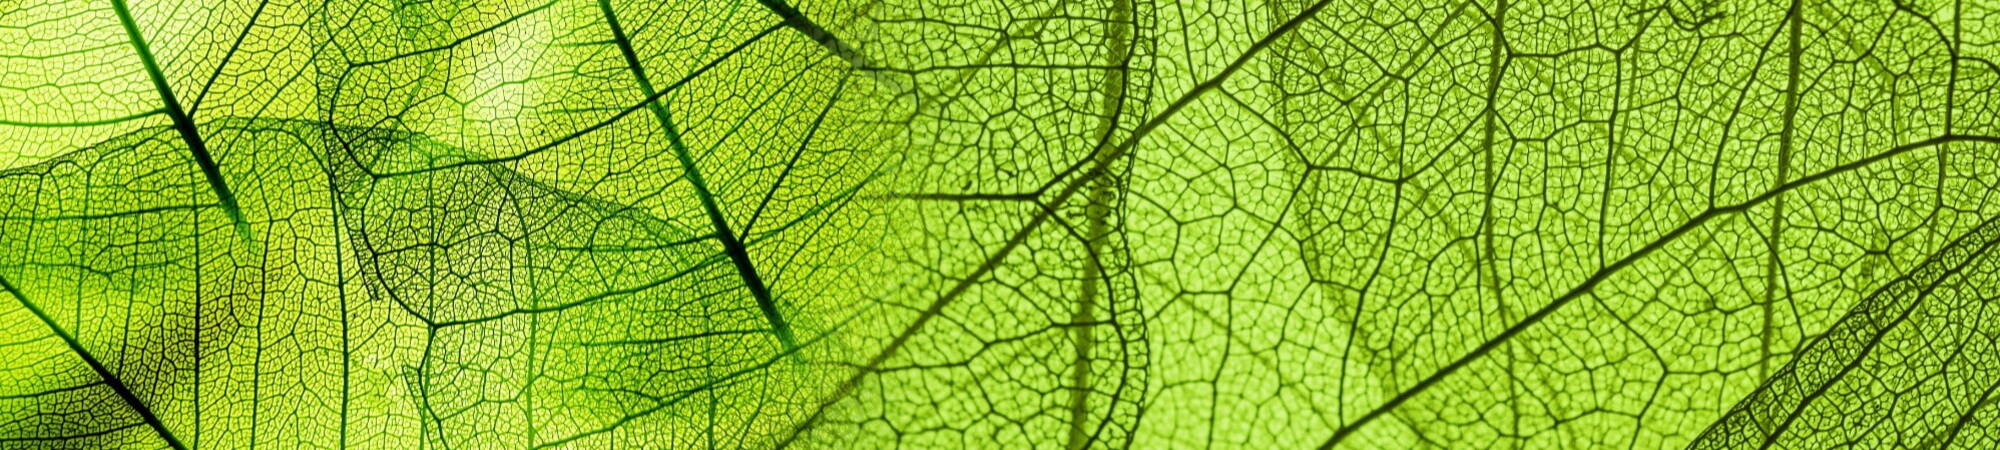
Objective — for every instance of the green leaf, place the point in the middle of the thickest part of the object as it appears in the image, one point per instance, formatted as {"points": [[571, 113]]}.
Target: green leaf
{"points": [[450, 225], [981, 224]]}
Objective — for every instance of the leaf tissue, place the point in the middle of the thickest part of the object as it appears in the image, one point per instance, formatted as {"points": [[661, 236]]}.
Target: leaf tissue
{"points": [[956, 224]]}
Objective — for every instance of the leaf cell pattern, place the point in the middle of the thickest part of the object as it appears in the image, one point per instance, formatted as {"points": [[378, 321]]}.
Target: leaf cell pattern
{"points": [[982, 224]]}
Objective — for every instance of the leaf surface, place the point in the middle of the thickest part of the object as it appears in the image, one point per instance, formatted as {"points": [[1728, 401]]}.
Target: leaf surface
{"points": [[978, 224]]}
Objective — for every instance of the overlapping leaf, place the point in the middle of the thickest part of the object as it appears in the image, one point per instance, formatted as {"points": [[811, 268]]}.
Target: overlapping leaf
{"points": [[1547, 224], [962, 223], [445, 224]]}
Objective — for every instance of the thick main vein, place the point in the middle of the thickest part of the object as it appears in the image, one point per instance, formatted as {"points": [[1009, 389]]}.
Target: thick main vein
{"points": [[804, 25], [1097, 215], [183, 123], [731, 243], [1774, 265], [118, 386]]}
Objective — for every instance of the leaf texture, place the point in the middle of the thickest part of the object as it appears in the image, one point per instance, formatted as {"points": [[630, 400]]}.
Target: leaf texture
{"points": [[981, 224]]}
